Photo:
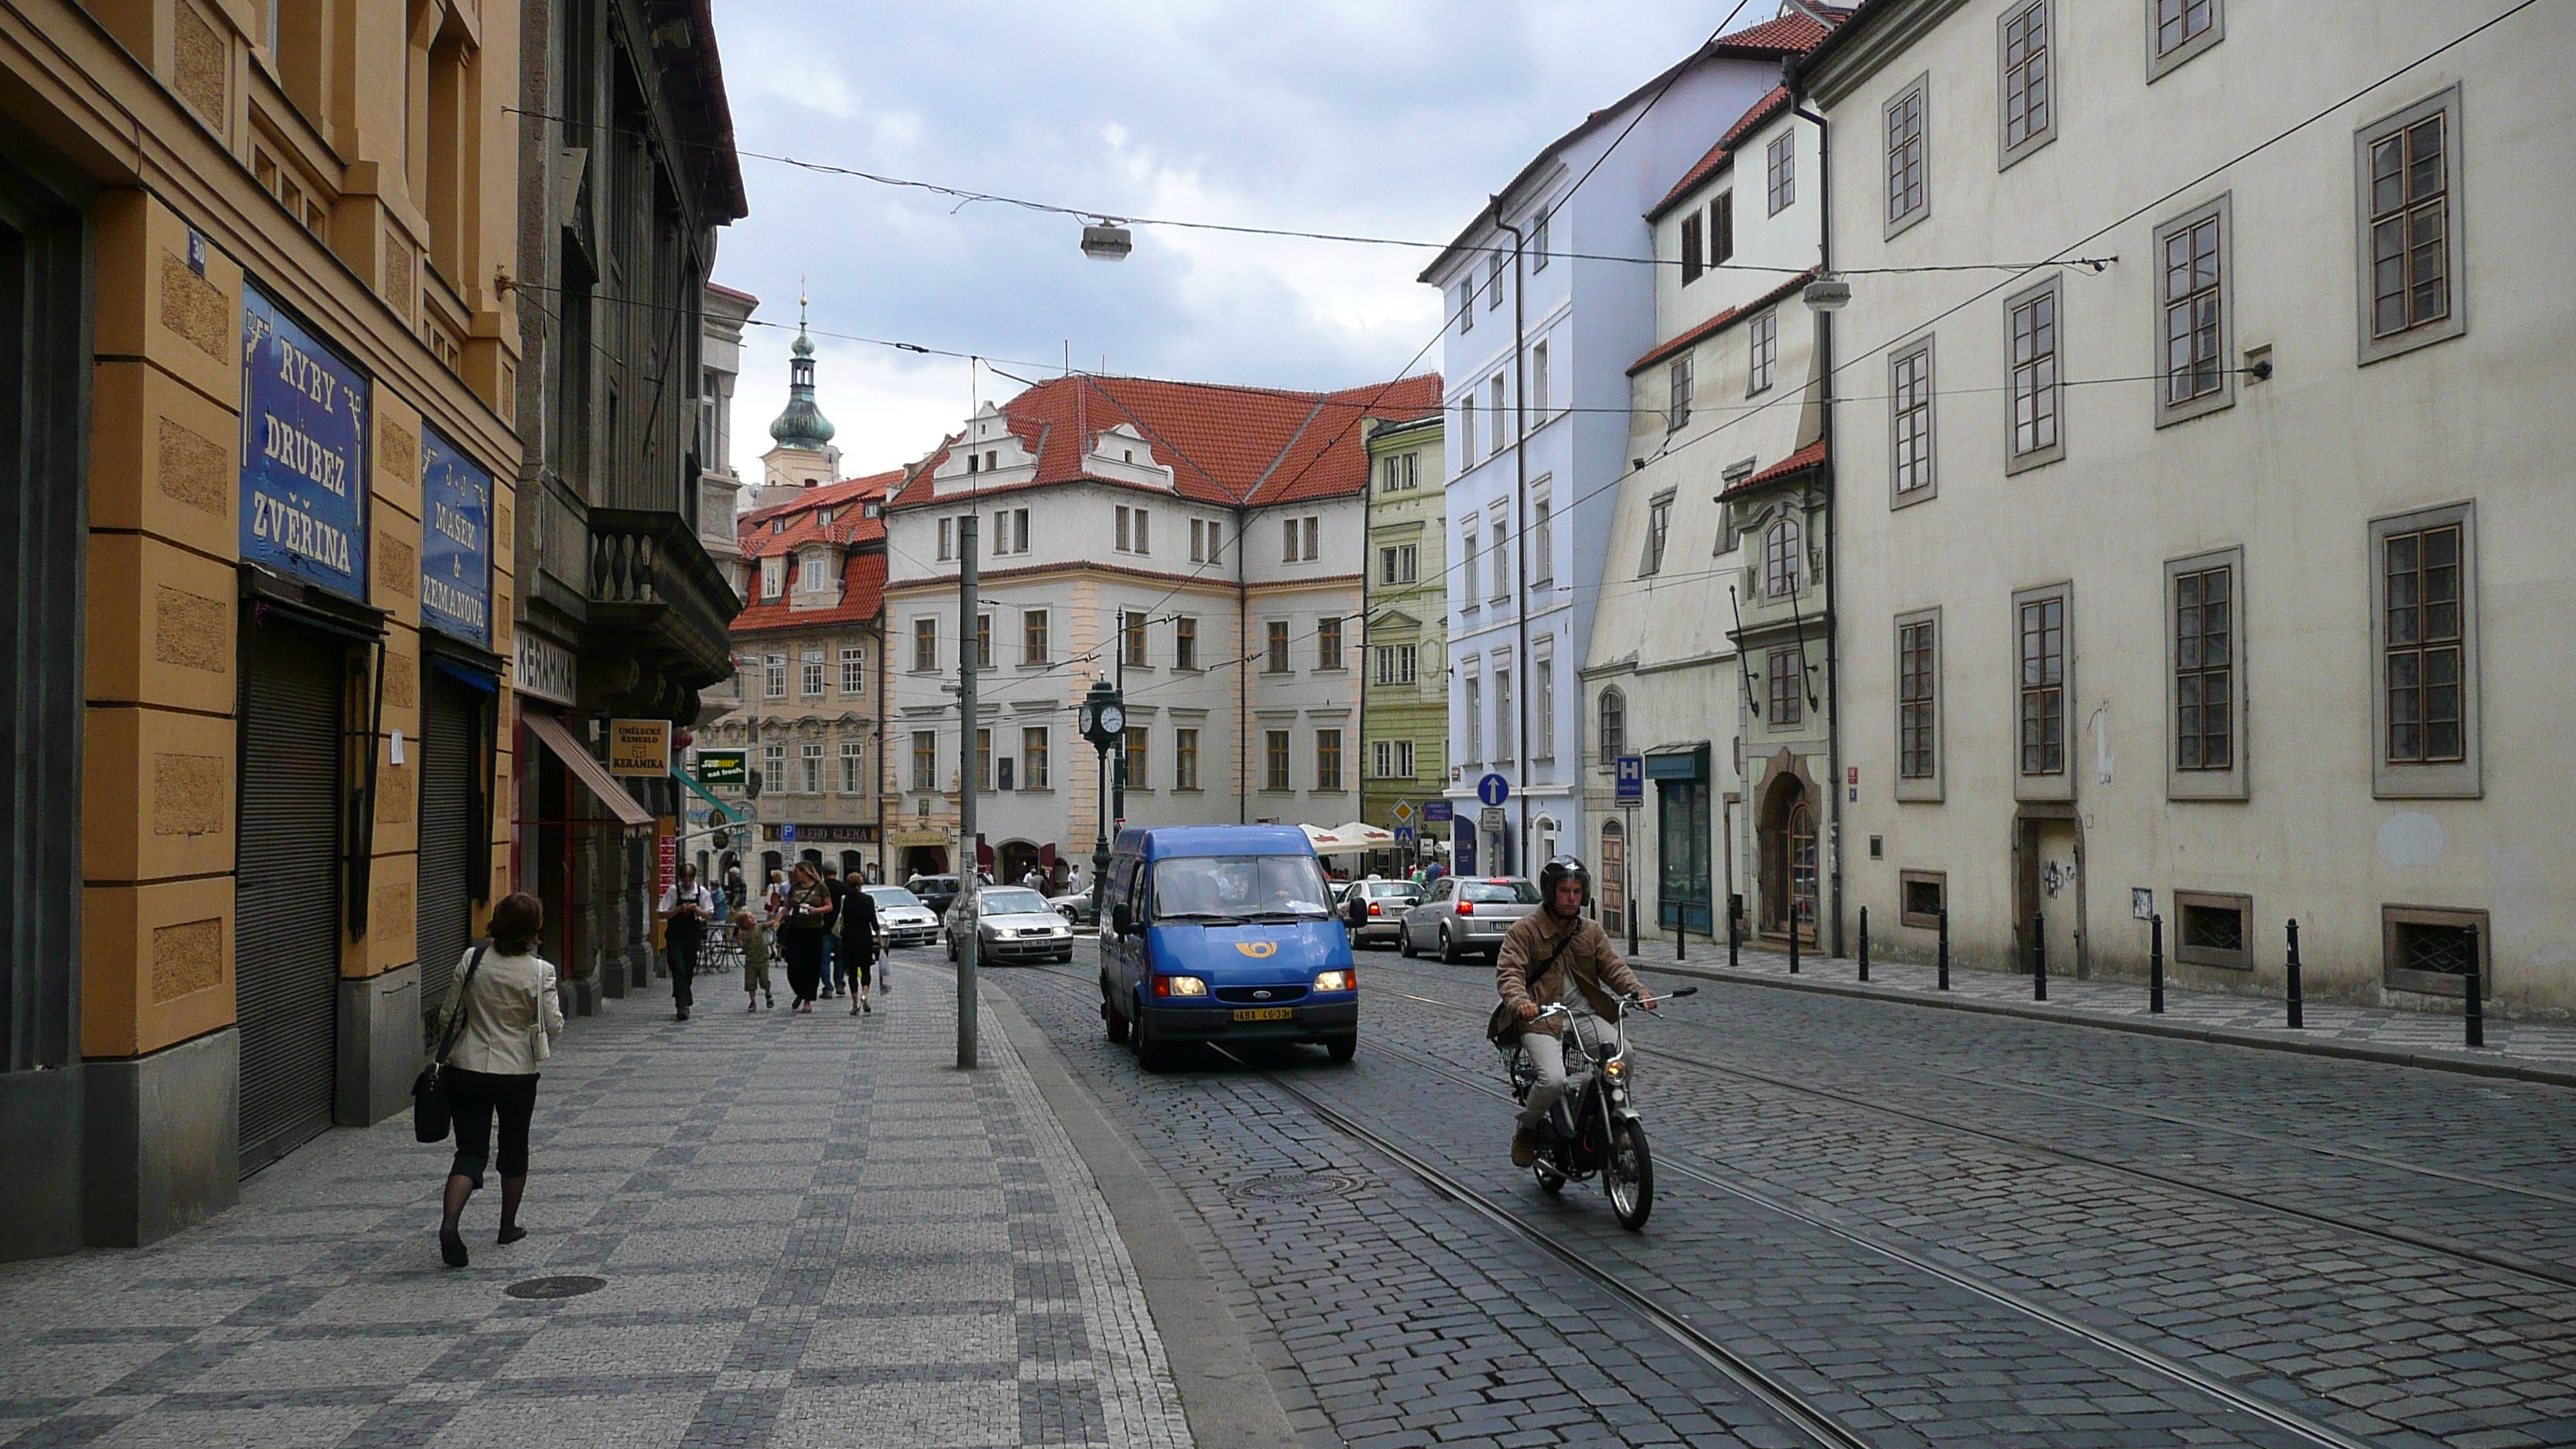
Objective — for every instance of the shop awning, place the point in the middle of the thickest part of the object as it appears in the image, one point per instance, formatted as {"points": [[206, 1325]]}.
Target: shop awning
{"points": [[586, 767], [1353, 838]]}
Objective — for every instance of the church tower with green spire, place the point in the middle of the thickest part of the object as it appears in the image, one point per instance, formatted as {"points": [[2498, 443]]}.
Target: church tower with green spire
{"points": [[802, 455]]}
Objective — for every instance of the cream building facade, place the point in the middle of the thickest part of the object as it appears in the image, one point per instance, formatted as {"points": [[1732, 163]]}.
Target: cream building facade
{"points": [[1200, 545], [1404, 708], [2225, 582], [1710, 644]]}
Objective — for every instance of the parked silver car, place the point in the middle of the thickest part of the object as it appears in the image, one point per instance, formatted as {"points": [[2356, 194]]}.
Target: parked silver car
{"points": [[1012, 923], [906, 920], [1383, 918], [1460, 917]]}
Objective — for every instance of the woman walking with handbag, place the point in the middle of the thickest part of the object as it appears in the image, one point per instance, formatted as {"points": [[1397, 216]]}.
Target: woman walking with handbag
{"points": [[502, 1021], [807, 916]]}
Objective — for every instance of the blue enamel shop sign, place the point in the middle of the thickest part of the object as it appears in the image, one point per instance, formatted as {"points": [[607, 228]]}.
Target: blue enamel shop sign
{"points": [[304, 453], [455, 542]]}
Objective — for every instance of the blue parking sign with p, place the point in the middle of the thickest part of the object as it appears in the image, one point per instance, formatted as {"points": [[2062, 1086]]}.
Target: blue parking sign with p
{"points": [[1632, 779]]}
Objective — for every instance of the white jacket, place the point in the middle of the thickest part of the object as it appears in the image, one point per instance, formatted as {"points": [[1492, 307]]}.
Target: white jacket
{"points": [[512, 999]]}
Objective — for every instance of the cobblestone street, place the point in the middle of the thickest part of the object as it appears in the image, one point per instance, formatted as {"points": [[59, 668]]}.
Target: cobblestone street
{"points": [[1908, 1226]]}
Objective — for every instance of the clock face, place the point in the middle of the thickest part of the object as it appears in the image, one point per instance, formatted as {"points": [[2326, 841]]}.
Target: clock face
{"points": [[1112, 719], [1084, 721]]}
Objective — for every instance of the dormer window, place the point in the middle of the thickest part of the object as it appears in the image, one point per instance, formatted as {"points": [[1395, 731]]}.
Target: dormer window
{"points": [[814, 572], [778, 524], [773, 576], [823, 516]]}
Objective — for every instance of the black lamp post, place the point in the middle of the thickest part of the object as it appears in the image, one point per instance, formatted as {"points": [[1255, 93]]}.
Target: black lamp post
{"points": [[1104, 724]]}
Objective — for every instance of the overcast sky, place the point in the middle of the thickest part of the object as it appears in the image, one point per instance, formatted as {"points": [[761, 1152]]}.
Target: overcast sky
{"points": [[1389, 117]]}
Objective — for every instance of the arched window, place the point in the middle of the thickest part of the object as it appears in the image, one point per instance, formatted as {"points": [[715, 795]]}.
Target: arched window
{"points": [[1612, 732], [1780, 558]]}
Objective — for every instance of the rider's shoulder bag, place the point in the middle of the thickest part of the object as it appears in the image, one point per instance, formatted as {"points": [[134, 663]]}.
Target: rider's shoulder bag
{"points": [[1503, 1028]]}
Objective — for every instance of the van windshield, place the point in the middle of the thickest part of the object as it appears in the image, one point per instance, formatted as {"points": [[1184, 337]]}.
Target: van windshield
{"points": [[1217, 888]]}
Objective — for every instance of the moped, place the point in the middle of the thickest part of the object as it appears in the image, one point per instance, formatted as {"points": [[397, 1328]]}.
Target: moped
{"points": [[1594, 1126]]}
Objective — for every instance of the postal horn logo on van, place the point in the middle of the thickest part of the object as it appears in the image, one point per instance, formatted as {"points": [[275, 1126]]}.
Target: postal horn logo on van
{"points": [[1256, 948]]}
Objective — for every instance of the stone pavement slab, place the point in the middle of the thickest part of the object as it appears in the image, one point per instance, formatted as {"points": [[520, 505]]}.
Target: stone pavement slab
{"points": [[2531, 1051], [811, 1230]]}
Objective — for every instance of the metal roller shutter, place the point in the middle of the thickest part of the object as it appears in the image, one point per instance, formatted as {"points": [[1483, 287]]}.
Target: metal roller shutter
{"points": [[286, 926], [450, 815]]}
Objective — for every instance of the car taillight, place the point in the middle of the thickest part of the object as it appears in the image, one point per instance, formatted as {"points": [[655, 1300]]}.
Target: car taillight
{"points": [[1466, 908], [1375, 910]]}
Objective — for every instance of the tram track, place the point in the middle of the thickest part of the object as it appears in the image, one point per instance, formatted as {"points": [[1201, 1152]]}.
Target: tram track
{"points": [[1772, 1391], [2500, 1261]]}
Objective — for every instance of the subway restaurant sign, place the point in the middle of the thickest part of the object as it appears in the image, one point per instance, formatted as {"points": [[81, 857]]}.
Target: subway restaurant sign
{"points": [[304, 453], [455, 542], [724, 767]]}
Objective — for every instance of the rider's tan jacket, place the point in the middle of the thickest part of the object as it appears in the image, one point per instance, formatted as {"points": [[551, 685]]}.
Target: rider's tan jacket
{"points": [[1528, 945]]}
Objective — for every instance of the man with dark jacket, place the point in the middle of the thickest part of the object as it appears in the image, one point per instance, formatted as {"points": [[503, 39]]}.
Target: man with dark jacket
{"points": [[1556, 956]]}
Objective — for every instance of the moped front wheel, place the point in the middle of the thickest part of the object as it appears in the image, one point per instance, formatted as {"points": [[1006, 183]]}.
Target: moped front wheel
{"points": [[1628, 1175]]}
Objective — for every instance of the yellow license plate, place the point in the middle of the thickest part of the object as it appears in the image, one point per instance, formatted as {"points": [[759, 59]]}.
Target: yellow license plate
{"points": [[1264, 1013]]}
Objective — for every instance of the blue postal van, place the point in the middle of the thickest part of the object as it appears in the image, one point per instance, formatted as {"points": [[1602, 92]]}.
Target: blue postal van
{"points": [[1223, 934]]}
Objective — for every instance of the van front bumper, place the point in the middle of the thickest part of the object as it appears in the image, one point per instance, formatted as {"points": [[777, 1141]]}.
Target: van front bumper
{"points": [[1306, 1021]]}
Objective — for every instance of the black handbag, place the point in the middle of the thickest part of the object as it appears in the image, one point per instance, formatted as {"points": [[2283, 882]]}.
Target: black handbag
{"points": [[429, 1111]]}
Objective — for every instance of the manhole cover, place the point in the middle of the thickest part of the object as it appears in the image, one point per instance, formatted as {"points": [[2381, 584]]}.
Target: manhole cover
{"points": [[568, 1286], [1292, 1186]]}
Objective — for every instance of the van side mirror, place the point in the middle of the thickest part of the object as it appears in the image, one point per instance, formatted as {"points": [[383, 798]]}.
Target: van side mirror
{"points": [[1120, 922]]}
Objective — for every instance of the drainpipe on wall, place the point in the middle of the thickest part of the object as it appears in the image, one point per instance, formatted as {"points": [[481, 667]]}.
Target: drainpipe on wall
{"points": [[1242, 676], [1520, 541], [1833, 565]]}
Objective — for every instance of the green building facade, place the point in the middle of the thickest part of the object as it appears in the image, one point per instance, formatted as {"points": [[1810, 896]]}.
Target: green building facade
{"points": [[1404, 701]]}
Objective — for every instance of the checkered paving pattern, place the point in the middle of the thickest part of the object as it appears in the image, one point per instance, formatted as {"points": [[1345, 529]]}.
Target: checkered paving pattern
{"points": [[2432, 1033], [814, 1231]]}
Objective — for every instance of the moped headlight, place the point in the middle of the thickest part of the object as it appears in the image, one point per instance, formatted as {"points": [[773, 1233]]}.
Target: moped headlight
{"points": [[1616, 1069]]}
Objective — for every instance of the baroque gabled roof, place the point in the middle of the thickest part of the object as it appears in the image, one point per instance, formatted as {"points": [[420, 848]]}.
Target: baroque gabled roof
{"points": [[863, 564], [1236, 446]]}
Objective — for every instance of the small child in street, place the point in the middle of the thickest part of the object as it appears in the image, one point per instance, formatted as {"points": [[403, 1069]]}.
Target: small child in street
{"points": [[747, 933]]}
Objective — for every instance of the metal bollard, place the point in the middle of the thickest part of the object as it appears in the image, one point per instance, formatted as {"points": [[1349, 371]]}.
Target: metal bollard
{"points": [[2475, 981], [2155, 965], [1734, 931], [1681, 942], [1945, 949], [1793, 939], [2298, 1020], [2038, 957], [1629, 909], [1864, 943]]}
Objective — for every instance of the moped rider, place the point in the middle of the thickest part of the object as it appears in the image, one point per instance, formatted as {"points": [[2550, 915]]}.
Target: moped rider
{"points": [[1555, 956]]}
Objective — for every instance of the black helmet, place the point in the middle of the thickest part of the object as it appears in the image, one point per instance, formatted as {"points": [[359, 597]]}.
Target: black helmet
{"points": [[1557, 870]]}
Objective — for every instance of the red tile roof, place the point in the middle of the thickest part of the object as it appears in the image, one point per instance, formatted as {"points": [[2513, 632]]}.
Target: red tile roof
{"points": [[1237, 446], [1760, 115], [863, 581], [850, 523], [1810, 456], [1720, 322]]}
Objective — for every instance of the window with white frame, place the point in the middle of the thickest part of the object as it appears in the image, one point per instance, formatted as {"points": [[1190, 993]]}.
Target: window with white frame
{"points": [[1505, 733], [773, 676], [1780, 559], [2027, 66], [1034, 751], [1131, 637], [1496, 264], [1300, 539], [1185, 759], [1542, 709], [2033, 385], [1905, 126], [814, 571], [1502, 559], [1396, 563], [1275, 647], [809, 674], [1471, 709], [773, 576], [983, 641], [1274, 759], [809, 772], [1467, 430], [2410, 227], [1762, 349], [854, 671], [1539, 402], [1393, 759], [773, 766], [1466, 306], [854, 768], [1659, 528], [1132, 535], [1610, 726], [1033, 636], [2193, 282], [1502, 430], [1542, 537], [1185, 643], [1909, 408], [1677, 381], [1780, 171], [1396, 663], [1010, 530], [947, 539], [1537, 243], [925, 645], [2177, 30], [1468, 562], [1328, 643]]}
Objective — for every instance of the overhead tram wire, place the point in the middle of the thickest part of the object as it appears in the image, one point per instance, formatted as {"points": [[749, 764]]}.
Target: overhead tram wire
{"points": [[965, 196]]}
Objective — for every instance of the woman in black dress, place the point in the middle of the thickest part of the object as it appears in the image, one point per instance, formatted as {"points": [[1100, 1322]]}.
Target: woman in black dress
{"points": [[807, 916]]}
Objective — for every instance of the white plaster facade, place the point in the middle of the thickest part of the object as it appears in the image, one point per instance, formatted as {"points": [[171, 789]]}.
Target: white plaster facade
{"points": [[1583, 291], [2344, 459]]}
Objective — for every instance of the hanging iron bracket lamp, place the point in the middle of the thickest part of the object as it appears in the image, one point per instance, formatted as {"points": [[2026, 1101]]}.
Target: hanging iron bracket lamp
{"points": [[1107, 241]]}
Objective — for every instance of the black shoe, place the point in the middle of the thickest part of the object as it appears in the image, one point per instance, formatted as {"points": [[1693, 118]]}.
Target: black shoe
{"points": [[511, 1234], [451, 1247], [683, 1016]]}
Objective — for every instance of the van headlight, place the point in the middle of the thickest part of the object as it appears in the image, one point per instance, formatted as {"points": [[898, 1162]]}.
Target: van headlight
{"points": [[1337, 981], [1179, 986]]}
